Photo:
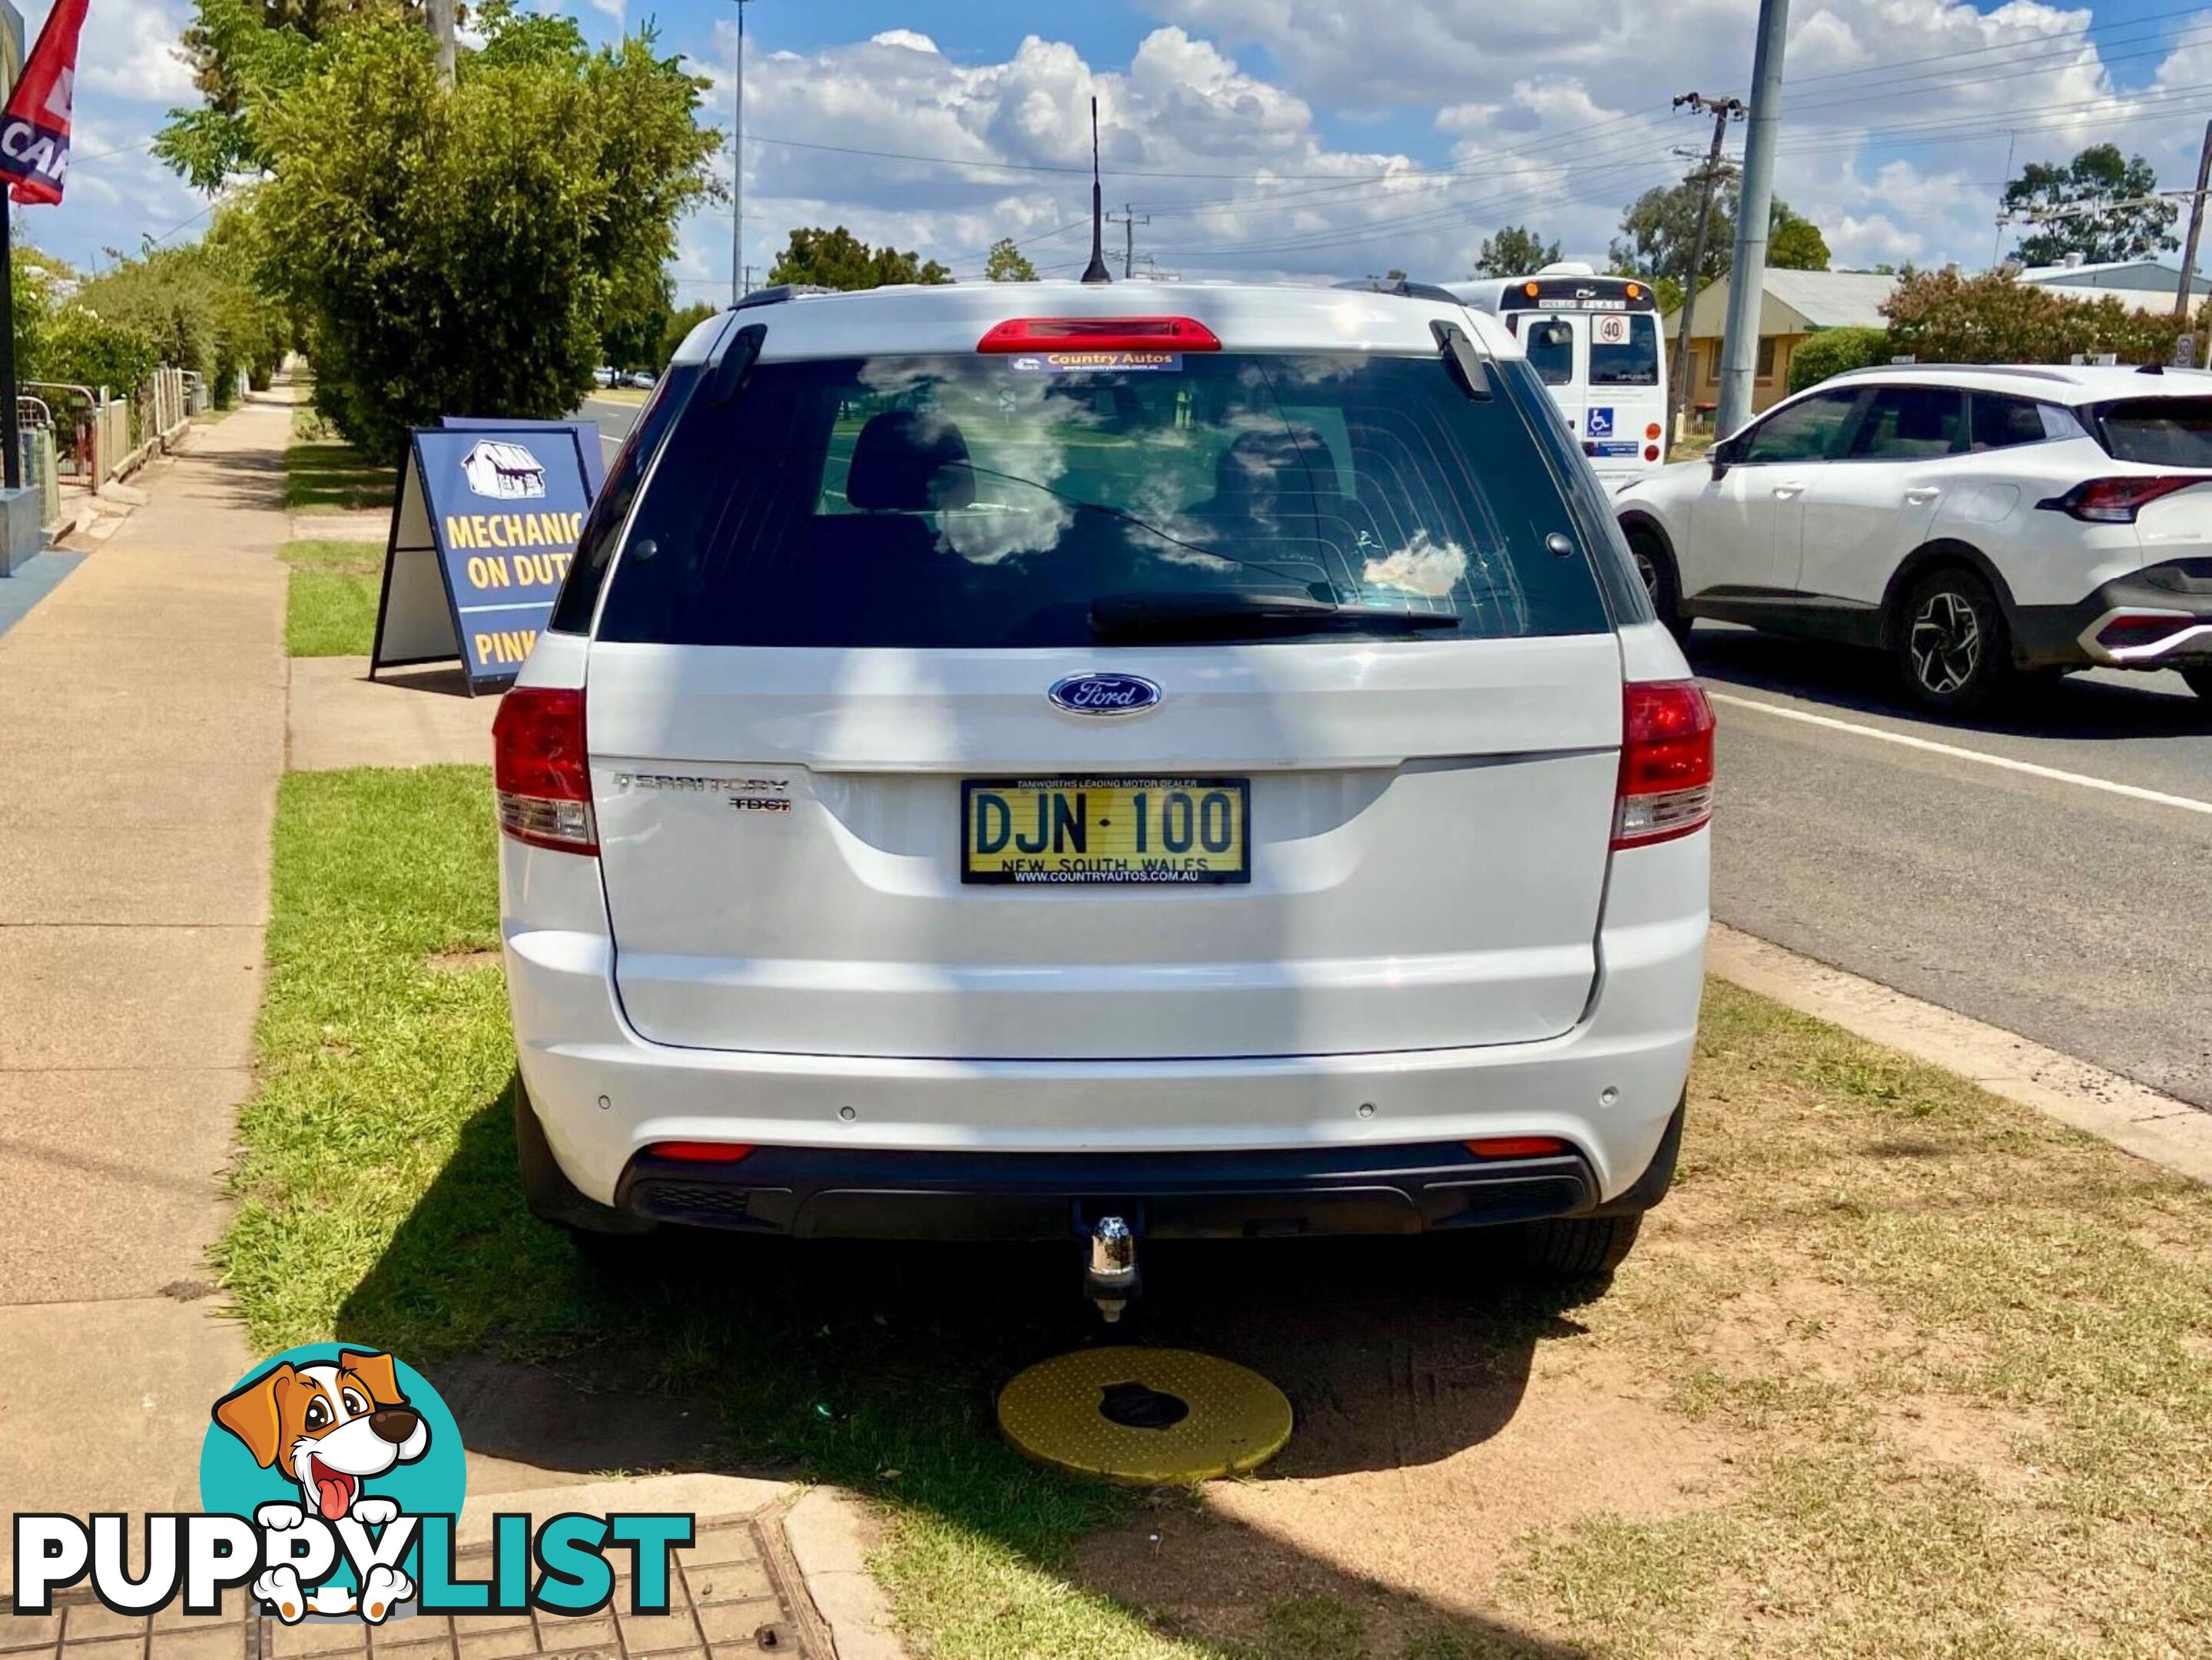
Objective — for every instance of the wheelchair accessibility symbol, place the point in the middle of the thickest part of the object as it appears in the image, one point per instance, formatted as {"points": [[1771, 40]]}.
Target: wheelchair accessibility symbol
{"points": [[1600, 423]]}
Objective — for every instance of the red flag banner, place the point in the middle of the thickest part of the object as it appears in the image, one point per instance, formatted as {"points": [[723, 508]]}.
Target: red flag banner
{"points": [[34, 132]]}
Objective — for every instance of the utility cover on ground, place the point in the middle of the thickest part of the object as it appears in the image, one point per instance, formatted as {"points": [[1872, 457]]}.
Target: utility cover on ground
{"points": [[1145, 1417]]}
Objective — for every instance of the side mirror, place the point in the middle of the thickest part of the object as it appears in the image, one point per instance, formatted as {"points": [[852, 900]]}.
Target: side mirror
{"points": [[1724, 455]]}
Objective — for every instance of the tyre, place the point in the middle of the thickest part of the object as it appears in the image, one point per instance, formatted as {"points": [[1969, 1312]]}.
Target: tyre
{"points": [[1572, 1247], [2200, 682], [1655, 568], [1952, 649], [551, 1196]]}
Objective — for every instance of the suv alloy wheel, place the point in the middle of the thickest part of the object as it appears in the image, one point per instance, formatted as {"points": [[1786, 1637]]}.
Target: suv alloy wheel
{"points": [[1951, 642]]}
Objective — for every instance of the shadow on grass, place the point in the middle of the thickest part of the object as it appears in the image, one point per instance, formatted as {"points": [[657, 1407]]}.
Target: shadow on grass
{"points": [[877, 1366], [329, 476]]}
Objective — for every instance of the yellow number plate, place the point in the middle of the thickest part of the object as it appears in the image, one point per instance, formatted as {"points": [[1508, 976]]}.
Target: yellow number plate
{"points": [[1105, 830]]}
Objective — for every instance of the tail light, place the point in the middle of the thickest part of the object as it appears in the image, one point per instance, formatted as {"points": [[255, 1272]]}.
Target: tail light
{"points": [[1517, 1146], [1099, 334], [1666, 762], [1651, 432], [539, 769], [700, 1152], [1652, 452], [2117, 501]]}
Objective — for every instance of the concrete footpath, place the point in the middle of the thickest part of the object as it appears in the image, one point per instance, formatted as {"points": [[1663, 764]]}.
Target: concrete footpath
{"points": [[146, 711], [142, 721]]}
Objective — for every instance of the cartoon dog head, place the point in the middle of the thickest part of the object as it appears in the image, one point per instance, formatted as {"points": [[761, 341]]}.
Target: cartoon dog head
{"points": [[329, 1427]]}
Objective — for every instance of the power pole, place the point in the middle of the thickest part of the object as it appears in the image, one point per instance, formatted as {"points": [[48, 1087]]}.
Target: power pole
{"points": [[438, 15], [1128, 219], [737, 166], [1755, 207], [1723, 110], [2182, 297]]}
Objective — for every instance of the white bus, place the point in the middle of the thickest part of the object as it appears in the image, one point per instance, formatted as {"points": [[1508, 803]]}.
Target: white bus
{"points": [[1595, 343]]}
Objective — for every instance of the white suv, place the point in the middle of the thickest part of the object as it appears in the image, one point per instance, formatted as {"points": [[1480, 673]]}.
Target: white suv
{"points": [[1003, 766], [1976, 522]]}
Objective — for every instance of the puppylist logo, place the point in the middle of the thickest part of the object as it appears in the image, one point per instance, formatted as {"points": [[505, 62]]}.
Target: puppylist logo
{"points": [[332, 1480]]}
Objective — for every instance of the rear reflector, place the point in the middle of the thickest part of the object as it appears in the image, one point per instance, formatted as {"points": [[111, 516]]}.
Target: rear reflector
{"points": [[1666, 787], [700, 1152], [1099, 334], [540, 770], [2131, 628], [2117, 501], [1517, 1146]]}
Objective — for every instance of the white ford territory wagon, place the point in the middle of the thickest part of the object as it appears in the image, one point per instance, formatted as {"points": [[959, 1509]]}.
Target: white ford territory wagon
{"points": [[1009, 764]]}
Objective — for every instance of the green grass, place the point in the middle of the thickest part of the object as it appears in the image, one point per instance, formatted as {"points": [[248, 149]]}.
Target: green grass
{"points": [[325, 474], [1955, 1356], [331, 608]]}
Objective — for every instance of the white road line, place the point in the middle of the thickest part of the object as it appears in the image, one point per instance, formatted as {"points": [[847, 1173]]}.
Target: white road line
{"points": [[2134, 792]]}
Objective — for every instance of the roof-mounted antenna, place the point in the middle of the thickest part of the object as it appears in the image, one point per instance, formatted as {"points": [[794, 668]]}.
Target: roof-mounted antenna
{"points": [[1097, 271]]}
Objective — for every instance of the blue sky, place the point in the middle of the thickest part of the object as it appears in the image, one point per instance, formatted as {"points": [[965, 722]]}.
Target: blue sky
{"points": [[1308, 138]]}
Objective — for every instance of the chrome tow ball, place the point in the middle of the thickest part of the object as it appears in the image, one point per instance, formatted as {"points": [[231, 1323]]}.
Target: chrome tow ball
{"points": [[1110, 1280]]}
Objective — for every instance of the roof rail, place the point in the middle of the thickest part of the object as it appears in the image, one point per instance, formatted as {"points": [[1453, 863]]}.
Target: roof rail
{"points": [[2026, 371], [778, 294]]}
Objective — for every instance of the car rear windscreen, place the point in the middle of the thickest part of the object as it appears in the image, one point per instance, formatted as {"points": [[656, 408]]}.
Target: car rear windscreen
{"points": [[990, 500], [2160, 432]]}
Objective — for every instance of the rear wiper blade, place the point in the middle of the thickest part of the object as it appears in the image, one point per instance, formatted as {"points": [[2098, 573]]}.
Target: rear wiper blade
{"points": [[1157, 616]]}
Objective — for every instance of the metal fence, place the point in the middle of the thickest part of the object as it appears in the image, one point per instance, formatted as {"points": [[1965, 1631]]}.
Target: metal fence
{"points": [[89, 437]]}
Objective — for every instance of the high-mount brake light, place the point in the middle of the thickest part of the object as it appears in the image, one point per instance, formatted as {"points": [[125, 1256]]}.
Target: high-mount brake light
{"points": [[1027, 334], [1666, 786], [540, 769], [2117, 501]]}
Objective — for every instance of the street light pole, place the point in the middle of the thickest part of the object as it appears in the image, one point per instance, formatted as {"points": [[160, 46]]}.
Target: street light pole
{"points": [[1754, 208], [737, 168]]}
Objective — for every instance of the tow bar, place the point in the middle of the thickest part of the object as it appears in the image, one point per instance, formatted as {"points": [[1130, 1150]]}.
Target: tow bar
{"points": [[1109, 1279]]}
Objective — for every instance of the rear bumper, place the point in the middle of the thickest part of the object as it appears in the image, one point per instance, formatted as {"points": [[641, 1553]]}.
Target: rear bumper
{"points": [[827, 1193], [2164, 615], [1608, 1087]]}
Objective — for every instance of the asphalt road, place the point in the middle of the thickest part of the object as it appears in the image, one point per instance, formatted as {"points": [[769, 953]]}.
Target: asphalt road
{"points": [[615, 420], [2076, 910]]}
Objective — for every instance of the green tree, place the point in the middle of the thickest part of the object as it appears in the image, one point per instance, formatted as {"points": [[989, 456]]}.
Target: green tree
{"points": [[1797, 245], [681, 323], [633, 327], [1941, 317], [1515, 250], [1007, 264], [2098, 174], [460, 252], [838, 259], [1659, 229], [1833, 350]]}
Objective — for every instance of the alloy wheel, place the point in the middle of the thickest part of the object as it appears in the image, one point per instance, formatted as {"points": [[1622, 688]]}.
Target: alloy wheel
{"points": [[1946, 642], [1647, 571]]}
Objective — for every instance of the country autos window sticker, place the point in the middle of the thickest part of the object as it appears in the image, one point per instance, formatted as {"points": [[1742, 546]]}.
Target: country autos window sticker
{"points": [[1093, 362], [331, 1480]]}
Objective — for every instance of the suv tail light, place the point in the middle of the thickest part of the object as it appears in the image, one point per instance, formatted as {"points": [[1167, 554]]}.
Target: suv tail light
{"points": [[2117, 501], [1666, 762], [1099, 334], [539, 769]]}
